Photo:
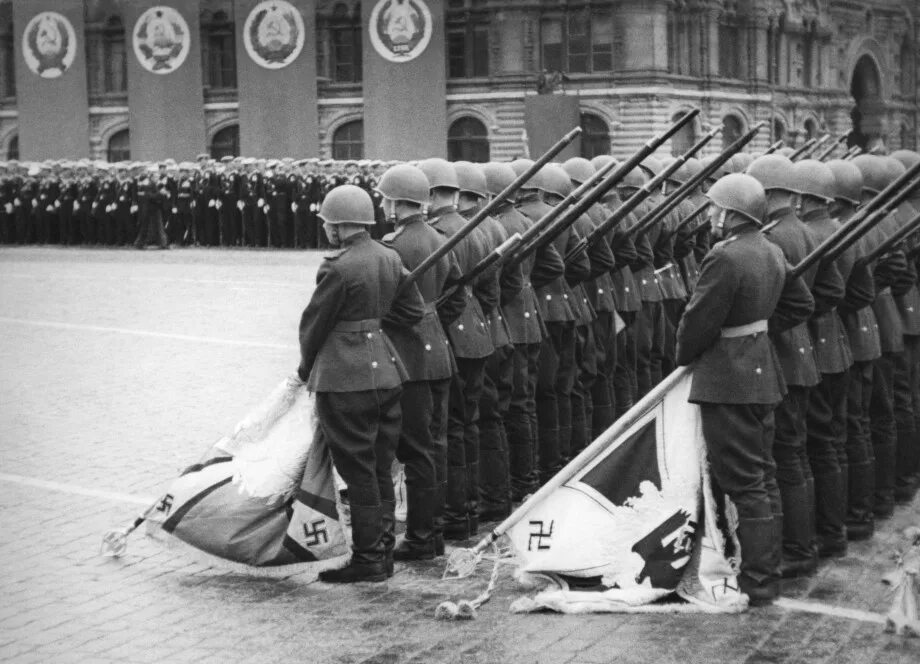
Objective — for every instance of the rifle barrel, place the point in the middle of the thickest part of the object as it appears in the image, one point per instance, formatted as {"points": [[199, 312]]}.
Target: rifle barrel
{"points": [[807, 144], [896, 238]]}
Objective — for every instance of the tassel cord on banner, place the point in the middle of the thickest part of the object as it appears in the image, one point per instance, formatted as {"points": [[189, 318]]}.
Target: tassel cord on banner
{"points": [[466, 609]]}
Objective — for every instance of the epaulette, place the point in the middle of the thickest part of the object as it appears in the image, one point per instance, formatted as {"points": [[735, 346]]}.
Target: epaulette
{"points": [[335, 253]]}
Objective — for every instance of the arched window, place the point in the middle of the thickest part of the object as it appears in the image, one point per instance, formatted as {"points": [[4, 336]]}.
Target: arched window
{"points": [[345, 44], [595, 136], [115, 56], [733, 128], [779, 130], [119, 148], [348, 141], [226, 142], [218, 50], [12, 150], [468, 140], [811, 129]]}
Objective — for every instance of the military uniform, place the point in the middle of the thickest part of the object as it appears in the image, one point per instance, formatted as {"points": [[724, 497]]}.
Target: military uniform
{"points": [[429, 364]]}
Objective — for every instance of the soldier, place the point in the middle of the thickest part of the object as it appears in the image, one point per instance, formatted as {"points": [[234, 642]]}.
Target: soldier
{"points": [[650, 323], [152, 200], [25, 205], [792, 516], [493, 481], [557, 362], [350, 363], [744, 289], [525, 330], [185, 205], [49, 192], [125, 195], [102, 205], [472, 344], [226, 204], [429, 364], [856, 464], [907, 368], [8, 191], [889, 270]]}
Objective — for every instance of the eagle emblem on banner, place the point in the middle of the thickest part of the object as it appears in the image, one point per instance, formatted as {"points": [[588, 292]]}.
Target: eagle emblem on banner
{"points": [[400, 29], [161, 40], [49, 44], [273, 34]]}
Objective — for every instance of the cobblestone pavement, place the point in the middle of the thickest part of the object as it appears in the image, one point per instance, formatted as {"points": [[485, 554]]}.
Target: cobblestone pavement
{"points": [[118, 368]]}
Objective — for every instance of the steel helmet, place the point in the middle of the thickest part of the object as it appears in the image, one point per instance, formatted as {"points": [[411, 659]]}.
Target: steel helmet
{"points": [[404, 183], [849, 180], [666, 163], [691, 168], [721, 171], [440, 173], [906, 157], [520, 166], [895, 168], [498, 177], [773, 171], [741, 193], [579, 169], [814, 178], [471, 178], [554, 180], [601, 160], [347, 204], [741, 160], [874, 172], [785, 151], [635, 179], [651, 166]]}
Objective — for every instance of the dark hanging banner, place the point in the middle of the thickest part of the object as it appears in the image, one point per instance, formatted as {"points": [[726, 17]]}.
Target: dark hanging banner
{"points": [[276, 76], [164, 79], [51, 96], [548, 118], [405, 110]]}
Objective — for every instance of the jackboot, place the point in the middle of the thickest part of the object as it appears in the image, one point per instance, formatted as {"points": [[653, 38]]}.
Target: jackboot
{"points": [[812, 531], [860, 518], [798, 559], [908, 452], [494, 478], [759, 577], [368, 556], [456, 523], [438, 522], [547, 454], [418, 543], [883, 503], [830, 514], [388, 519], [472, 513]]}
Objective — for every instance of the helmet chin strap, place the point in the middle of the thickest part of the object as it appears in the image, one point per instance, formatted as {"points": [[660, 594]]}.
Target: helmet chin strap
{"points": [[719, 228]]}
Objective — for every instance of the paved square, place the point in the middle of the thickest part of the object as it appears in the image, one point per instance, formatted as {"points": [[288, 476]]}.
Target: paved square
{"points": [[118, 368]]}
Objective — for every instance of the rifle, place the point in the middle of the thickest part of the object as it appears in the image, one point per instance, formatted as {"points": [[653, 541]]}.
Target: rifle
{"points": [[807, 144], [830, 149], [700, 209], [684, 190], [861, 222], [821, 141], [593, 196], [773, 148], [517, 239], [852, 152], [484, 211], [899, 235], [670, 202]]}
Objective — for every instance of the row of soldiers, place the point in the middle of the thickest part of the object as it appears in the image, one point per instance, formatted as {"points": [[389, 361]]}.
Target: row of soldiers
{"points": [[232, 202], [809, 384]]}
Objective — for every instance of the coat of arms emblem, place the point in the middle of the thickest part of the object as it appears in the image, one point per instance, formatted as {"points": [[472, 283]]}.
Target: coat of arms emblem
{"points": [[161, 40], [400, 29], [273, 34], [49, 44]]}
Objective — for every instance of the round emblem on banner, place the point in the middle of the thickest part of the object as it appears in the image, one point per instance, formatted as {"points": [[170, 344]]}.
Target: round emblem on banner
{"points": [[161, 40], [49, 44], [273, 34], [400, 29]]}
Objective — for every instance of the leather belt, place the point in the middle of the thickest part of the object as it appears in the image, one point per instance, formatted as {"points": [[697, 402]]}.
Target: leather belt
{"points": [[366, 325], [744, 330]]}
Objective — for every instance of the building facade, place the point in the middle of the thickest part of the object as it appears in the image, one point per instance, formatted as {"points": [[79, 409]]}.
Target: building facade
{"points": [[805, 67]]}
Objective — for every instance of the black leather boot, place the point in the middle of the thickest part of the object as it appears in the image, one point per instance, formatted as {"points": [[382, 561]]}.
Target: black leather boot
{"points": [[798, 559], [388, 538], [759, 577], [367, 557], [418, 544], [860, 519], [830, 506], [438, 534]]}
